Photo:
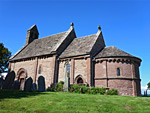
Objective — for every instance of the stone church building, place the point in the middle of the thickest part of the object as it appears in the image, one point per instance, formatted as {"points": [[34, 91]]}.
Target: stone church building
{"points": [[84, 60]]}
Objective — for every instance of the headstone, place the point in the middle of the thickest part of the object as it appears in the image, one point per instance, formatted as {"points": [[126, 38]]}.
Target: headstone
{"points": [[16, 85], [28, 84], [9, 80], [1, 83], [41, 83], [34, 87], [67, 82]]}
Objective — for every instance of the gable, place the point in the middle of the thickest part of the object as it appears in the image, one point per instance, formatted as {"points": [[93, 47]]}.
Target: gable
{"points": [[79, 46]]}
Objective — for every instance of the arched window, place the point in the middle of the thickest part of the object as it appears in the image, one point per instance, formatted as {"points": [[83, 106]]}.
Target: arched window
{"points": [[21, 77], [80, 81], [40, 70], [118, 72]]}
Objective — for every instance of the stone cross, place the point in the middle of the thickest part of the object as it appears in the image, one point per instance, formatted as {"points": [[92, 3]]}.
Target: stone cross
{"points": [[67, 81]]}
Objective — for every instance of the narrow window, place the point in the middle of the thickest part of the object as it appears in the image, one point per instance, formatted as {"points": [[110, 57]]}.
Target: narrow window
{"points": [[40, 70], [68, 70], [118, 71]]}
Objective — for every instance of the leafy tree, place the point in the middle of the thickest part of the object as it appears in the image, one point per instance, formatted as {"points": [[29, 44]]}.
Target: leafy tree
{"points": [[148, 85], [5, 54]]}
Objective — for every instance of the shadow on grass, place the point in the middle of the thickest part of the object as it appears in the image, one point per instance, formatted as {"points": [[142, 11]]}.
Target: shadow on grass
{"points": [[145, 96], [17, 94]]}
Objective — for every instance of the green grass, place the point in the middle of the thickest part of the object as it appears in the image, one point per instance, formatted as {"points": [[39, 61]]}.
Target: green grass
{"points": [[61, 102]]}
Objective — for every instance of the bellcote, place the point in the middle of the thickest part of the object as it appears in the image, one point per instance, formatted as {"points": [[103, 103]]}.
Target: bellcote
{"points": [[32, 33]]}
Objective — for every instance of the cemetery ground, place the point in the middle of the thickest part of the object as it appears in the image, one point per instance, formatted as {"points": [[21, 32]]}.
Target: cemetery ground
{"points": [[12, 101]]}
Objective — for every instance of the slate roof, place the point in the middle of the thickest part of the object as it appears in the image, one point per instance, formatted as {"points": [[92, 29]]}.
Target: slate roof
{"points": [[79, 46], [42, 46], [112, 51]]}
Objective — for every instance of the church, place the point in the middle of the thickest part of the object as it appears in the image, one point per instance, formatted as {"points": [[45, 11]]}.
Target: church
{"points": [[83, 60]]}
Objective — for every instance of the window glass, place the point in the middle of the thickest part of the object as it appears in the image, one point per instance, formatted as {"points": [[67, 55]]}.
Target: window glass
{"points": [[40, 70], [68, 69], [118, 71]]}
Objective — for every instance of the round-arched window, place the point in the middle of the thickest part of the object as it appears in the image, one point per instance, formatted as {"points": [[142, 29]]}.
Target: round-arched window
{"points": [[80, 80]]}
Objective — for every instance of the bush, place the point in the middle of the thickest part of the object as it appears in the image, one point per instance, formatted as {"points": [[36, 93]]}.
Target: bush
{"points": [[75, 88], [50, 89], [84, 89], [102, 91], [59, 86], [94, 90], [79, 89], [112, 92]]}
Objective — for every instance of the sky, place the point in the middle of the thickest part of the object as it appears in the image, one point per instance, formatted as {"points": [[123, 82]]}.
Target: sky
{"points": [[125, 23]]}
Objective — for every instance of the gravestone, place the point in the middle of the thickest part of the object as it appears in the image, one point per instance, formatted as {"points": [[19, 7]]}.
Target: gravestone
{"points": [[34, 87], [9, 80], [16, 85], [41, 83], [67, 82], [1, 82], [28, 84]]}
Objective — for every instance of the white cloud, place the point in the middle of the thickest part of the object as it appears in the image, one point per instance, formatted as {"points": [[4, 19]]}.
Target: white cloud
{"points": [[143, 87]]}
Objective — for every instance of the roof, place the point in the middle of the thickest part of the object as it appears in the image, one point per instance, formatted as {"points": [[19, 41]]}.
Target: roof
{"points": [[112, 51], [42, 46], [80, 46]]}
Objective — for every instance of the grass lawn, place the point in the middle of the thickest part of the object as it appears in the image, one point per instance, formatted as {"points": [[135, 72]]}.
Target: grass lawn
{"points": [[61, 102]]}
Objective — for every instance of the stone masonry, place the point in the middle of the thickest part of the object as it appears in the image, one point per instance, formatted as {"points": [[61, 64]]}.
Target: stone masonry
{"points": [[86, 60]]}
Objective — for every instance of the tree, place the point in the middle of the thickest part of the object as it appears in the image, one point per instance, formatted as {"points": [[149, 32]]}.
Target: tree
{"points": [[148, 85], [5, 54]]}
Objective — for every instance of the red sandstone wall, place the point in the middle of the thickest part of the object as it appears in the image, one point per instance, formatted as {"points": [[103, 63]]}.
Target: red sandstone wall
{"points": [[126, 83], [100, 70], [124, 86], [124, 67], [30, 65], [79, 66], [100, 83], [62, 71], [47, 70]]}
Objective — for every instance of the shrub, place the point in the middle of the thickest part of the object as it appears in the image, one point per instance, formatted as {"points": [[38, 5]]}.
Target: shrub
{"points": [[50, 89], [59, 86], [112, 92], [95, 90], [84, 89], [102, 90], [75, 88]]}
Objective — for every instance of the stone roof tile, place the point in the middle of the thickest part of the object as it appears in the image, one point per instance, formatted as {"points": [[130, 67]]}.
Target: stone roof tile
{"points": [[80, 46], [112, 51], [42, 46]]}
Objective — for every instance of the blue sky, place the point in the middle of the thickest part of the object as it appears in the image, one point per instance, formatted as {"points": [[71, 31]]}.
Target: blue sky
{"points": [[125, 23]]}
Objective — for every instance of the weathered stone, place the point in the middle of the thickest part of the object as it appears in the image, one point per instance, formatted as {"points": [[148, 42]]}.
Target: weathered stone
{"points": [[16, 85], [28, 84], [88, 58], [1, 82], [41, 83], [9, 80], [67, 82], [34, 87]]}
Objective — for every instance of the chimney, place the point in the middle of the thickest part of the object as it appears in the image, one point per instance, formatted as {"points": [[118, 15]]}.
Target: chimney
{"points": [[32, 34]]}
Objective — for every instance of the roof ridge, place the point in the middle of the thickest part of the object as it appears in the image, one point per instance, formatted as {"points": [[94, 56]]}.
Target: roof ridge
{"points": [[86, 36], [51, 35]]}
